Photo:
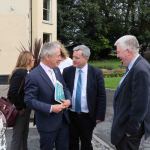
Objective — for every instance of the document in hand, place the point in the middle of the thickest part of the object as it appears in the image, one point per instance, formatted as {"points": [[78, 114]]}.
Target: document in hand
{"points": [[59, 92]]}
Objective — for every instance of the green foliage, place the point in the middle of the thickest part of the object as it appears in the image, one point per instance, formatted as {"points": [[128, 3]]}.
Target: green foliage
{"points": [[100, 48], [106, 63], [98, 23], [112, 83], [82, 24]]}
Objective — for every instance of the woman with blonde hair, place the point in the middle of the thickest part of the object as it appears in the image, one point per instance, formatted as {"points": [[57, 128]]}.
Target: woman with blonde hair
{"points": [[24, 64], [66, 61]]}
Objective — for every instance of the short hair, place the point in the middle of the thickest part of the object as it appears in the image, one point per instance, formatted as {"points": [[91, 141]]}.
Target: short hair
{"points": [[129, 42], [49, 48], [85, 50]]}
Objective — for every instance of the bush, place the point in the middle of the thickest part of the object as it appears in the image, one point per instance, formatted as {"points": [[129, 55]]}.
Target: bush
{"points": [[113, 73]]}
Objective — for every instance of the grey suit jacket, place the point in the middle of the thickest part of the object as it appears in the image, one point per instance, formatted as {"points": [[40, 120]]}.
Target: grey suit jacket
{"points": [[132, 102]]}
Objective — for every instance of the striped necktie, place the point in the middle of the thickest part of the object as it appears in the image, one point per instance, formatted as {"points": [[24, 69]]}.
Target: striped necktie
{"points": [[78, 93]]}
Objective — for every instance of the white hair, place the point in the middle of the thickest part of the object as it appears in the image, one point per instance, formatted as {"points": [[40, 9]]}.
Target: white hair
{"points": [[49, 48], [128, 42]]}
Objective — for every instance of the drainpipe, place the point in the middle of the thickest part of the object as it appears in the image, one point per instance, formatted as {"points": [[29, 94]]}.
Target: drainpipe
{"points": [[31, 23]]}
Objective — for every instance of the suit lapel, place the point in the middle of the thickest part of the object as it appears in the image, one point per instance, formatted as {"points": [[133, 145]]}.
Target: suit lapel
{"points": [[126, 78], [45, 77], [57, 74], [89, 81], [72, 78]]}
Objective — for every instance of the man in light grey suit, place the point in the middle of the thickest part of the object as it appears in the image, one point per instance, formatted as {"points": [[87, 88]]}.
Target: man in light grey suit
{"points": [[132, 98]]}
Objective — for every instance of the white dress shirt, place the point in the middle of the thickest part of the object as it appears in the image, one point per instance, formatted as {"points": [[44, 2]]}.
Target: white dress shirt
{"points": [[84, 106], [51, 75], [129, 68], [49, 72]]}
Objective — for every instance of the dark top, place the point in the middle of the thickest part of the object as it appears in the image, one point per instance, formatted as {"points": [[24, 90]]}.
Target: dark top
{"points": [[132, 103], [39, 95], [96, 95], [16, 88]]}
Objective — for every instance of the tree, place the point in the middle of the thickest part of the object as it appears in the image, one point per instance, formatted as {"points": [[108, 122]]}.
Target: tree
{"points": [[98, 23]]}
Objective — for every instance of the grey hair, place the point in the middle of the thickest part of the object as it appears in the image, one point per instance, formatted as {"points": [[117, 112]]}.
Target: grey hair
{"points": [[49, 48], [129, 42], [85, 50]]}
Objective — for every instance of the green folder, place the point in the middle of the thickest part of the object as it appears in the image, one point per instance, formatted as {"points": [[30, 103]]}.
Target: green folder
{"points": [[59, 92]]}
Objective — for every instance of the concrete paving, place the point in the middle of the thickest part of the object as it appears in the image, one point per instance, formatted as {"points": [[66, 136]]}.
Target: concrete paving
{"points": [[103, 129], [101, 136], [33, 140]]}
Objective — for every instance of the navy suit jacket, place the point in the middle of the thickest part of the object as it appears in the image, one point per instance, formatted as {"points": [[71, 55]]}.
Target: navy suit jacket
{"points": [[39, 95], [96, 95], [132, 102]]}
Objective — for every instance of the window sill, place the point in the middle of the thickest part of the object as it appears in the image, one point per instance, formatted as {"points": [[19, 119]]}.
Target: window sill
{"points": [[47, 22]]}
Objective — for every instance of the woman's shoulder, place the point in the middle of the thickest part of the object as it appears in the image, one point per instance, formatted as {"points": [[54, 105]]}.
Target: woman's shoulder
{"points": [[19, 72]]}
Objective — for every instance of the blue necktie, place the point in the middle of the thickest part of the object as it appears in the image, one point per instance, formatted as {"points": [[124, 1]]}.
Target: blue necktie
{"points": [[78, 93]]}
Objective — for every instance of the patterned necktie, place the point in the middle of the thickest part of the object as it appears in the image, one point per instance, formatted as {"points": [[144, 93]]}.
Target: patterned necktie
{"points": [[78, 93]]}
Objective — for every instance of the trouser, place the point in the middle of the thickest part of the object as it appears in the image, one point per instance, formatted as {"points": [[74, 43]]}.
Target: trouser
{"points": [[131, 142], [81, 130], [20, 131]]}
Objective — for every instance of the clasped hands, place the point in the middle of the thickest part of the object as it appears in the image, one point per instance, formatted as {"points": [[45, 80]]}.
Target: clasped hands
{"points": [[59, 107]]}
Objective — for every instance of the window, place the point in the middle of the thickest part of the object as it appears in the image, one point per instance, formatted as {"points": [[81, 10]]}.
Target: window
{"points": [[46, 37], [47, 10]]}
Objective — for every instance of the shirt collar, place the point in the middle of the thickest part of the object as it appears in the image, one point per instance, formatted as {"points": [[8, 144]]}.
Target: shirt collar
{"points": [[132, 62], [84, 68], [45, 67]]}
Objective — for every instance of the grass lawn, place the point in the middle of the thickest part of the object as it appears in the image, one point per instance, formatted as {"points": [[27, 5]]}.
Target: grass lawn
{"points": [[112, 83], [107, 63], [110, 64]]}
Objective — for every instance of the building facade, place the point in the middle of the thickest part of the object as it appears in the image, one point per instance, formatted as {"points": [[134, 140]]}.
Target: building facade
{"points": [[23, 21]]}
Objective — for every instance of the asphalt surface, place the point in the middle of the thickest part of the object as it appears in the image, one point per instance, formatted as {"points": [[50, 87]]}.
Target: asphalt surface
{"points": [[101, 136]]}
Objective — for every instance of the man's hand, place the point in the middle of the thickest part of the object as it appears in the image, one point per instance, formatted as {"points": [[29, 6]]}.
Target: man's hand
{"points": [[66, 103], [57, 108]]}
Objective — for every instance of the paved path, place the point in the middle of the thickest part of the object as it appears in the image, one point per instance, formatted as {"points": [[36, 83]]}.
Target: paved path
{"points": [[33, 140], [102, 130], [101, 137]]}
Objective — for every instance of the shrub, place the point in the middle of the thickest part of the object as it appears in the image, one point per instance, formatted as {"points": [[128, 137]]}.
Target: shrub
{"points": [[113, 73]]}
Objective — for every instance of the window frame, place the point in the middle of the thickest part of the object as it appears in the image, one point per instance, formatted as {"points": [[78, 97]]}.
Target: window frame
{"points": [[47, 12], [49, 37]]}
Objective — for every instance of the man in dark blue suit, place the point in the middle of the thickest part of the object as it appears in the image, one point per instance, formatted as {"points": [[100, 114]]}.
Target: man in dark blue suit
{"points": [[51, 117], [132, 98], [86, 85]]}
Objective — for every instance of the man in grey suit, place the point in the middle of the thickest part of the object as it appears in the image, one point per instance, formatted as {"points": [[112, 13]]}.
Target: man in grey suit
{"points": [[51, 117], [132, 98]]}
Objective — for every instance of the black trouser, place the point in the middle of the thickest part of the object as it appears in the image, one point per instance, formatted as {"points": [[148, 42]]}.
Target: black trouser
{"points": [[131, 142], [81, 129]]}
